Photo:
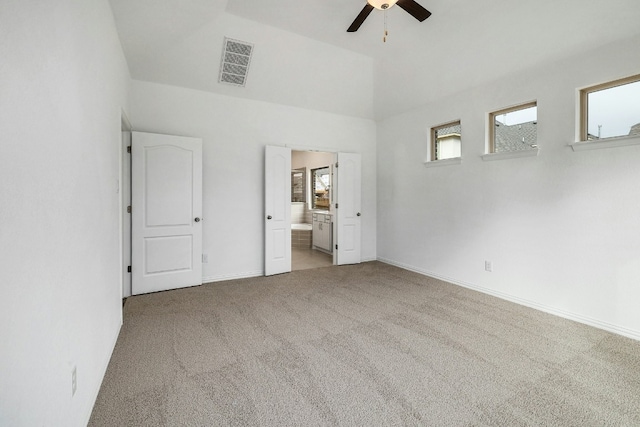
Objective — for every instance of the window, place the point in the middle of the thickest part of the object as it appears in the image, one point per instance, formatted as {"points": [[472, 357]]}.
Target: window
{"points": [[446, 141], [514, 129], [610, 110], [299, 185], [321, 186]]}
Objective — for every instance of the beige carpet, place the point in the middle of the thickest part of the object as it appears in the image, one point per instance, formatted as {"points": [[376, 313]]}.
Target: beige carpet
{"points": [[362, 345]]}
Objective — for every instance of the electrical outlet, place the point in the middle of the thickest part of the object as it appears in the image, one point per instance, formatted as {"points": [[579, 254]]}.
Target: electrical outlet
{"points": [[74, 381], [205, 258], [488, 266]]}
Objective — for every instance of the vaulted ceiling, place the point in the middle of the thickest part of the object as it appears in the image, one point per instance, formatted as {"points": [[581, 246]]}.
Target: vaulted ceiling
{"points": [[463, 44]]}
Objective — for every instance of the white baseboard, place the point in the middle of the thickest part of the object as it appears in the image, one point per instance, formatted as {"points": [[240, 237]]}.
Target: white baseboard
{"points": [[609, 327], [105, 365], [246, 275]]}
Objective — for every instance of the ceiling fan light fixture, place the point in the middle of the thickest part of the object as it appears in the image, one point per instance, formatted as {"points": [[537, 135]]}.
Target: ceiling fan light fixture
{"points": [[409, 6], [382, 4]]}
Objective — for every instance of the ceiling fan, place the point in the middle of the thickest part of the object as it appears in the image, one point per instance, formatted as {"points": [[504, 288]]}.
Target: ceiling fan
{"points": [[413, 8]]}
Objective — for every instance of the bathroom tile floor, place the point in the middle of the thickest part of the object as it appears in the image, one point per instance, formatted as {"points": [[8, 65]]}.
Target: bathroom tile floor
{"points": [[304, 259]]}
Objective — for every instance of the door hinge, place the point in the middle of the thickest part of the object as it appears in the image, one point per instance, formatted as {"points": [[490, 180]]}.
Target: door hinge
{"points": [[336, 247], [336, 206], [128, 209], [336, 164], [128, 149], [129, 269]]}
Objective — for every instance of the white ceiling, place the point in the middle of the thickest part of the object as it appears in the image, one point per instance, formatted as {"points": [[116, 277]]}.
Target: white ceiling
{"points": [[464, 42]]}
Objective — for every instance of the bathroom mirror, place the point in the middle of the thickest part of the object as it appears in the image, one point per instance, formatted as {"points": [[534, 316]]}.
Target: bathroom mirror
{"points": [[321, 185], [298, 185]]}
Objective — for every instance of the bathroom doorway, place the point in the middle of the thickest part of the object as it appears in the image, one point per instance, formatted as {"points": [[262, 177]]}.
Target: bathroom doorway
{"points": [[339, 223], [312, 209]]}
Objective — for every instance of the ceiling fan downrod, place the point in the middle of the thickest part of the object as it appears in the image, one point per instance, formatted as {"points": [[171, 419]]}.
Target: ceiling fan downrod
{"points": [[386, 33]]}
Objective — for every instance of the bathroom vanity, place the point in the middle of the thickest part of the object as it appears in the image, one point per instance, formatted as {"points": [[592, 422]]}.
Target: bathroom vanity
{"points": [[323, 231]]}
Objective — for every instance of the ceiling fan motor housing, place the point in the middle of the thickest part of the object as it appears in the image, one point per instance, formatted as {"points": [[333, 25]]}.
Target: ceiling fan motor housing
{"points": [[382, 4]]}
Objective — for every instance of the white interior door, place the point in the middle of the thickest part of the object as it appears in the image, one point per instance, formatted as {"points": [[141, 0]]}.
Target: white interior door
{"points": [[277, 222], [348, 212], [166, 197]]}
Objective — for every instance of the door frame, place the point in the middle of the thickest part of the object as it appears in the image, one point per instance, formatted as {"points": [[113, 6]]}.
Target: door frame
{"points": [[125, 201]]}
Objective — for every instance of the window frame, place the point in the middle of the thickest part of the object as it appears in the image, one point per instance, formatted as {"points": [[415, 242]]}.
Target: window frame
{"points": [[491, 135], [583, 126], [434, 140]]}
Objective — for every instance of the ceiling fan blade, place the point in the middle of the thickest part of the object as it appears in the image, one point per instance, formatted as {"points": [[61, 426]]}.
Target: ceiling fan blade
{"points": [[414, 9], [360, 18]]}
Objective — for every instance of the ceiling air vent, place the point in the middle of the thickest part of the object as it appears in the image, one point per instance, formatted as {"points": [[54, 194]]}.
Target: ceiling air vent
{"points": [[236, 56]]}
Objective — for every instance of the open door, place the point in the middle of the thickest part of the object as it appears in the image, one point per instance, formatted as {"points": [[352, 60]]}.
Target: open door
{"points": [[277, 198], [348, 232], [166, 197]]}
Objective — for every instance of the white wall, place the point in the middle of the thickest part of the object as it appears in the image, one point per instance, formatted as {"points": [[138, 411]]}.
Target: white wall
{"points": [[562, 229], [63, 83], [311, 159], [285, 68], [235, 132]]}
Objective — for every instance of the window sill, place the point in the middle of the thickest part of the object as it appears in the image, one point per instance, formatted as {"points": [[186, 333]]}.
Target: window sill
{"points": [[606, 143], [444, 162], [511, 154]]}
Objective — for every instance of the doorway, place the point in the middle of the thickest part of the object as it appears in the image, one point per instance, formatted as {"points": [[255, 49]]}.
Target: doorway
{"points": [[166, 214], [161, 204], [312, 209], [344, 216]]}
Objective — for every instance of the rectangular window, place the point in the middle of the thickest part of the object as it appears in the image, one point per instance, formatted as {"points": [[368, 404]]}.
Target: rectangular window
{"points": [[610, 110], [446, 141], [514, 128]]}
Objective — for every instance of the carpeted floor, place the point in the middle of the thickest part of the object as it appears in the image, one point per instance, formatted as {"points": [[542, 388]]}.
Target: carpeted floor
{"points": [[361, 345]]}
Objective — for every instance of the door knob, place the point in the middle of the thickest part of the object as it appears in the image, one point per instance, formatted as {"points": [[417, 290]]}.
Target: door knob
{"points": [[268, 216], [358, 214], [197, 219]]}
